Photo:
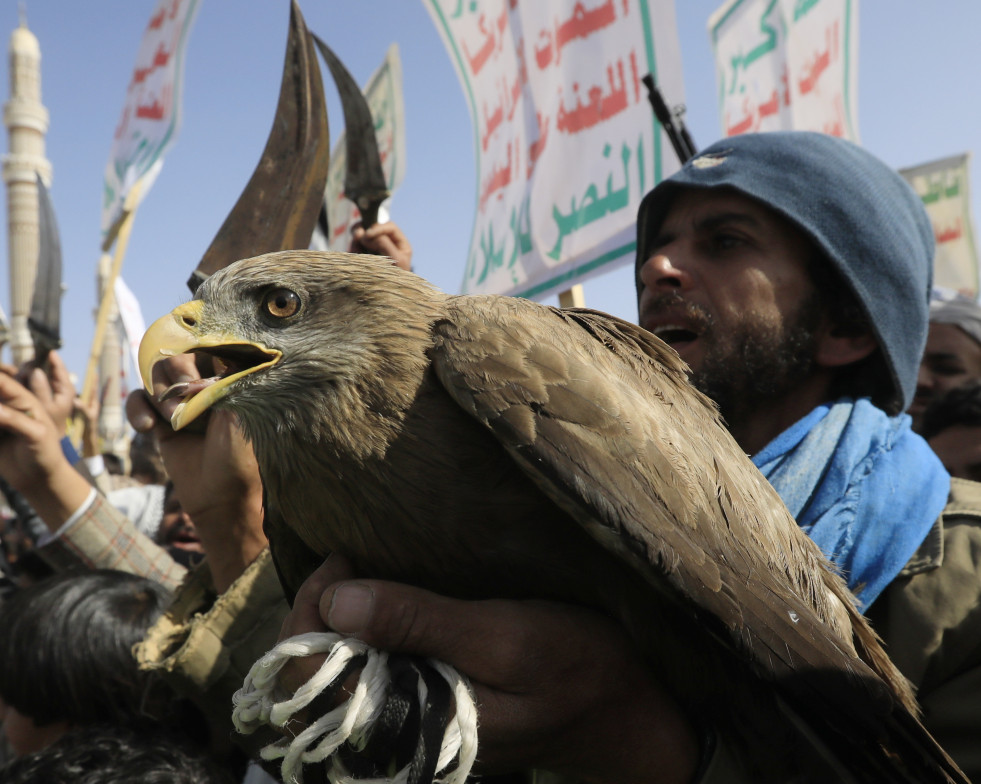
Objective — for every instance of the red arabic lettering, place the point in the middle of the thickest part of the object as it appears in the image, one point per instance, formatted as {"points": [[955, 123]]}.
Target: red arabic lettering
{"points": [[743, 125], [158, 108], [499, 178], [535, 149], [582, 23], [161, 57], [599, 108], [820, 62], [949, 234], [502, 23], [543, 55], [492, 123], [634, 74], [156, 20], [340, 230], [478, 60], [151, 111], [771, 107], [837, 125]]}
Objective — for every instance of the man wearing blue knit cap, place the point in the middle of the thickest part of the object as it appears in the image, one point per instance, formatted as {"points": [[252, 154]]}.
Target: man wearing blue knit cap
{"points": [[792, 272], [802, 312]]}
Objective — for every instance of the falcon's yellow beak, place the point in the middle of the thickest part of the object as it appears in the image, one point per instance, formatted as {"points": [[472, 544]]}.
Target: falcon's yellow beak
{"points": [[179, 333]]}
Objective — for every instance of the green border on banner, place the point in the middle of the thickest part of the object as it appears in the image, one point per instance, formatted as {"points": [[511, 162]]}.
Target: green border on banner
{"points": [[608, 257]]}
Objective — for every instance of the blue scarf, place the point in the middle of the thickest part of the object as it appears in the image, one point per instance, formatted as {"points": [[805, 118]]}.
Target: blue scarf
{"points": [[862, 485]]}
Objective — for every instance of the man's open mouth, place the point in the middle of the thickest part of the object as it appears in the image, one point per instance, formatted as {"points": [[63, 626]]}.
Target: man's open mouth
{"points": [[674, 335]]}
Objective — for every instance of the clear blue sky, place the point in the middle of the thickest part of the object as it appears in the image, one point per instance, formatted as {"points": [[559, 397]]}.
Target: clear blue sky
{"points": [[917, 67]]}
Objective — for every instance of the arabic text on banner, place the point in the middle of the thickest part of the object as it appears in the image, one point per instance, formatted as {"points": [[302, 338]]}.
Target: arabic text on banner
{"points": [[943, 186], [787, 65], [151, 113], [384, 95], [564, 135]]}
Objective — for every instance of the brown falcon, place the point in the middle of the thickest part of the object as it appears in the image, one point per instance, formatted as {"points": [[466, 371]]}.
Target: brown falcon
{"points": [[491, 447]]}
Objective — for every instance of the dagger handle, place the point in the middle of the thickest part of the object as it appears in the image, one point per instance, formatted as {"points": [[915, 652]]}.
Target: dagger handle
{"points": [[369, 214]]}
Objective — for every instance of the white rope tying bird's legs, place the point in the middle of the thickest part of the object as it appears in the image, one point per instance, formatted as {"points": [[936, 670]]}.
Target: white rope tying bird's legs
{"points": [[262, 701]]}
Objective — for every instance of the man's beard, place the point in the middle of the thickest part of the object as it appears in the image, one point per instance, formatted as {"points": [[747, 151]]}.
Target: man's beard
{"points": [[753, 364]]}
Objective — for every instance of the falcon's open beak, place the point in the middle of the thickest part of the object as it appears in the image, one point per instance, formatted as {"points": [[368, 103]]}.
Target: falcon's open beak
{"points": [[179, 333]]}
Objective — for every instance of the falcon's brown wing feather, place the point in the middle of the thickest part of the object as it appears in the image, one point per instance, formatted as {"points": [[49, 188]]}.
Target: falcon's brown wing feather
{"points": [[600, 415], [603, 429]]}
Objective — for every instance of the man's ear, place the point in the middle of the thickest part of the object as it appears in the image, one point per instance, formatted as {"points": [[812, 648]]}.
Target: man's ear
{"points": [[838, 346]]}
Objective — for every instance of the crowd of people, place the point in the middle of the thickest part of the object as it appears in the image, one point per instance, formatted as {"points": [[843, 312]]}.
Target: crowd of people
{"points": [[791, 271]]}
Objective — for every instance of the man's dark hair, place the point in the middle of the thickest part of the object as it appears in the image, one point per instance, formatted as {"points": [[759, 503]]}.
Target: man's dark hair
{"points": [[113, 754], [958, 406], [66, 649]]}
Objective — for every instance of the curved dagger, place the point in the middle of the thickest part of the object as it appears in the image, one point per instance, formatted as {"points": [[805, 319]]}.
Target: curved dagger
{"points": [[279, 206], [44, 321], [364, 179]]}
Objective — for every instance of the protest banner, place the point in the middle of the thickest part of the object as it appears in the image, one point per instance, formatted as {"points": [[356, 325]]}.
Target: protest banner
{"points": [[565, 140], [787, 65], [944, 187]]}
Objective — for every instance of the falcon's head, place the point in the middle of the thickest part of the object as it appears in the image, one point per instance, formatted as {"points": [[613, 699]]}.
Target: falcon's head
{"points": [[295, 329]]}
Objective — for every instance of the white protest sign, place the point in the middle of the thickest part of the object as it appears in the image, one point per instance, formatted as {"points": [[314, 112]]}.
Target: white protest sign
{"points": [[787, 65], [564, 135], [943, 186], [152, 111]]}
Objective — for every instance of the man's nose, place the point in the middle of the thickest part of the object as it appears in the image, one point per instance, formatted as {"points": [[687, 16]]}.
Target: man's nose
{"points": [[660, 272]]}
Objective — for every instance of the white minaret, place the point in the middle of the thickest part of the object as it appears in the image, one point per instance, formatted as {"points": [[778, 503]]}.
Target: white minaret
{"points": [[27, 122]]}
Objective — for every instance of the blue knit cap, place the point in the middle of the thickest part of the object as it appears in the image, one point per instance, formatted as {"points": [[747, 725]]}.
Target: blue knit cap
{"points": [[867, 220]]}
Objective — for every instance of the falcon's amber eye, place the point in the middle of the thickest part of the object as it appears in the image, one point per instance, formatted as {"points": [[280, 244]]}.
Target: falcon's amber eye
{"points": [[282, 303]]}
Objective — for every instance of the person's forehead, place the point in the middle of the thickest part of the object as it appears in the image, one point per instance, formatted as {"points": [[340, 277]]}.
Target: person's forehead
{"points": [[947, 338], [700, 205]]}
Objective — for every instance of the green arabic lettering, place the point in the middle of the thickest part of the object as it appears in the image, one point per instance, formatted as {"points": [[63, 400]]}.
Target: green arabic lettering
{"points": [[768, 44], [471, 7], [592, 207], [802, 7], [471, 263], [935, 189], [493, 258], [617, 200], [520, 230]]}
